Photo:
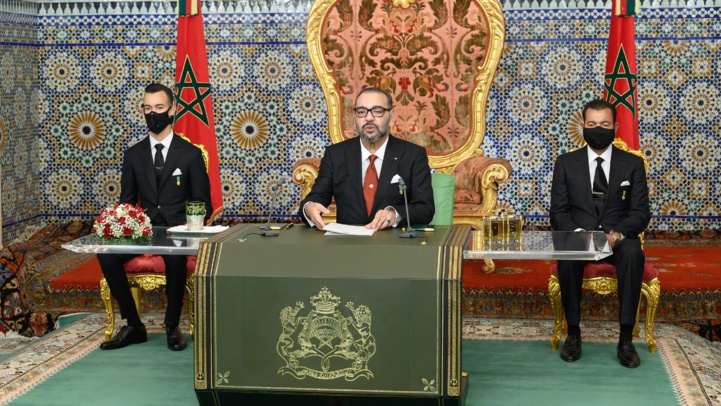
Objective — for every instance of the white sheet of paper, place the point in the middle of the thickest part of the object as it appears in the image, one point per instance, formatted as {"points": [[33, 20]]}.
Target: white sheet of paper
{"points": [[206, 229], [344, 229]]}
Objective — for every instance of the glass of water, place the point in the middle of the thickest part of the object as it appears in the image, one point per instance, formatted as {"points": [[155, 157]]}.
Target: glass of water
{"points": [[195, 215]]}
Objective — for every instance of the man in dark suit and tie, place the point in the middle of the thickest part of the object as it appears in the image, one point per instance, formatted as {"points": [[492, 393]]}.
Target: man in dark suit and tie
{"points": [[160, 174], [361, 173], [601, 187]]}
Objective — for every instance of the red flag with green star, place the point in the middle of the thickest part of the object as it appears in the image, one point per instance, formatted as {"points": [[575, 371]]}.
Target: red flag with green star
{"points": [[619, 86], [194, 117]]}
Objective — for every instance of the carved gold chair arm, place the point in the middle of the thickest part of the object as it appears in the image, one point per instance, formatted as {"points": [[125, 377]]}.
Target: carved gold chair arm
{"points": [[305, 172], [483, 174]]}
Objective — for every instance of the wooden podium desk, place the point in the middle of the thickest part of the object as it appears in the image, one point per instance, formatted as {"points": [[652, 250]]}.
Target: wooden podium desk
{"points": [[308, 319], [304, 318]]}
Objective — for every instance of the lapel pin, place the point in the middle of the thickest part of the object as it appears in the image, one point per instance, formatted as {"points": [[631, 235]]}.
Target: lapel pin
{"points": [[395, 158], [177, 180], [623, 196]]}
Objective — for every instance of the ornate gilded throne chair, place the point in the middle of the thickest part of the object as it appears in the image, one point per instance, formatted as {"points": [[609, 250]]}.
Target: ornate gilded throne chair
{"points": [[600, 277], [437, 59]]}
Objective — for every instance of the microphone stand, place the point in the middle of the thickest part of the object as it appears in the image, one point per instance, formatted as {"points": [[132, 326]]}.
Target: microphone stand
{"points": [[266, 229], [408, 234]]}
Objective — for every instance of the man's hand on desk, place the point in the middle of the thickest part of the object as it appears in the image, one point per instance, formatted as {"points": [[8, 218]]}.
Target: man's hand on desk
{"points": [[314, 212], [383, 219]]}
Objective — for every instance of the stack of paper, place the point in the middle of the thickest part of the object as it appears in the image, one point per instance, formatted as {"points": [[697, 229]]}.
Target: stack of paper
{"points": [[343, 229]]}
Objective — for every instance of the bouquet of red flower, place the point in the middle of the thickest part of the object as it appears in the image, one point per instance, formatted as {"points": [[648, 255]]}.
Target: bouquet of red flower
{"points": [[123, 221]]}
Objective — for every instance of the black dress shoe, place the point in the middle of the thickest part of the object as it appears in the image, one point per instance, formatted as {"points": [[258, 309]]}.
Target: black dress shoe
{"points": [[571, 350], [626, 352], [126, 336], [176, 341]]}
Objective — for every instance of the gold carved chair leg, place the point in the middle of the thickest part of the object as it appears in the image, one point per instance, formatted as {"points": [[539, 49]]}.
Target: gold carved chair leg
{"points": [[145, 282], [554, 295], [109, 312], [652, 293]]}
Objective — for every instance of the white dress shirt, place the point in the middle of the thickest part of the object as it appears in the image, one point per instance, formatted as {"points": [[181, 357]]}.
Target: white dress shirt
{"points": [[166, 146], [365, 159], [606, 165]]}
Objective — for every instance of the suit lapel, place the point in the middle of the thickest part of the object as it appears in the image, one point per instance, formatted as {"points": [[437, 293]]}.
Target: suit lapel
{"points": [[388, 170], [584, 175], [355, 168], [618, 165], [146, 161], [171, 161]]}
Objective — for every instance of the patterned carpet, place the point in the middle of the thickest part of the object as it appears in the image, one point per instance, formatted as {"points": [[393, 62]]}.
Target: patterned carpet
{"points": [[693, 363], [34, 359]]}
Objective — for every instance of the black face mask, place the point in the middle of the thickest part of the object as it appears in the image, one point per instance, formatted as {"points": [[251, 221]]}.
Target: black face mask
{"points": [[158, 121], [599, 138]]}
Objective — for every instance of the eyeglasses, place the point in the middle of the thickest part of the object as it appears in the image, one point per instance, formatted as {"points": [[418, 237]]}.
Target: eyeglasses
{"points": [[376, 111]]}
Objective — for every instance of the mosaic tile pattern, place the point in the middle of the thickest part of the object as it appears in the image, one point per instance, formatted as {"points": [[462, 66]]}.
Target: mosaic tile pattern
{"points": [[544, 80], [93, 62], [18, 122]]}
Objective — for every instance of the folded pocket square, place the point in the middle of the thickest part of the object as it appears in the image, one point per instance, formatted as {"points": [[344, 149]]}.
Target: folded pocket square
{"points": [[395, 178], [178, 172], [625, 183]]}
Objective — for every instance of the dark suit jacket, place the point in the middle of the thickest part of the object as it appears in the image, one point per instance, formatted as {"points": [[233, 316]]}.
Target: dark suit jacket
{"points": [[340, 177], [165, 204], [626, 208]]}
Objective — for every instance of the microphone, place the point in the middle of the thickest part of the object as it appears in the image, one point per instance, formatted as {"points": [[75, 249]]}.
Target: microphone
{"points": [[403, 188], [276, 191]]}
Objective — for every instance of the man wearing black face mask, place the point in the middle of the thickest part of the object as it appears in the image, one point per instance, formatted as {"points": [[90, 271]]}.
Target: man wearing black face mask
{"points": [[160, 174], [601, 187]]}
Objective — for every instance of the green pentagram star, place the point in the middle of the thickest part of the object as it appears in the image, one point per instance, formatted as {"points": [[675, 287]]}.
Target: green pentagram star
{"points": [[621, 72], [200, 91]]}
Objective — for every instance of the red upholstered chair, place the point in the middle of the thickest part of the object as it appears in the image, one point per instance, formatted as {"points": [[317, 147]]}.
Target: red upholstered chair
{"points": [[600, 277], [145, 272]]}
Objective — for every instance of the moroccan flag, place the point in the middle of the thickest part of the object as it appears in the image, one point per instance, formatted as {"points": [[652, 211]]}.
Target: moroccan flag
{"points": [[620, 79], [194, 118]]}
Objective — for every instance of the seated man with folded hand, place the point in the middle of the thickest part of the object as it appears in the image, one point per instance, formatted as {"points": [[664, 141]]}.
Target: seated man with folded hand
{"points": [[601, 187], [149, 180]]}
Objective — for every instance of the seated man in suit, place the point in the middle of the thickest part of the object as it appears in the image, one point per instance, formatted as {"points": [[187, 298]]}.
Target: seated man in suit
{"points": [[601, 187], [150, 179], [358, 173]]}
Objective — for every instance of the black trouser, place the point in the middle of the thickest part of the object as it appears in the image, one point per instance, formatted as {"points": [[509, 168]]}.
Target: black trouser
{"points": [[175, 278], [628, 258]]}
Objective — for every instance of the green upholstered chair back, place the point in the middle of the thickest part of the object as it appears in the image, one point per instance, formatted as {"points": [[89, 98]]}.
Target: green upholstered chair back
{"points": [[443, 188]]}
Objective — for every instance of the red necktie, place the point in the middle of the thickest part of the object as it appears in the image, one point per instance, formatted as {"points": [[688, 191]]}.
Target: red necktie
{"points": [[370, 184]]}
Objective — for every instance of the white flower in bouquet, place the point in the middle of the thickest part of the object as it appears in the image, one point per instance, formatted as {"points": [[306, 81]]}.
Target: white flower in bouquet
{"points": [[122, 221]]}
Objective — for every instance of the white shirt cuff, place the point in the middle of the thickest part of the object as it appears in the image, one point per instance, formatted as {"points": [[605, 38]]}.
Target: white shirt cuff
{"points": [[310, 223], [398, 216]]}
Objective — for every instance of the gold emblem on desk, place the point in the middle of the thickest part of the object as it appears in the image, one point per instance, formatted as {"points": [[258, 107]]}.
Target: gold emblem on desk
{"points": [[340, 344]]}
